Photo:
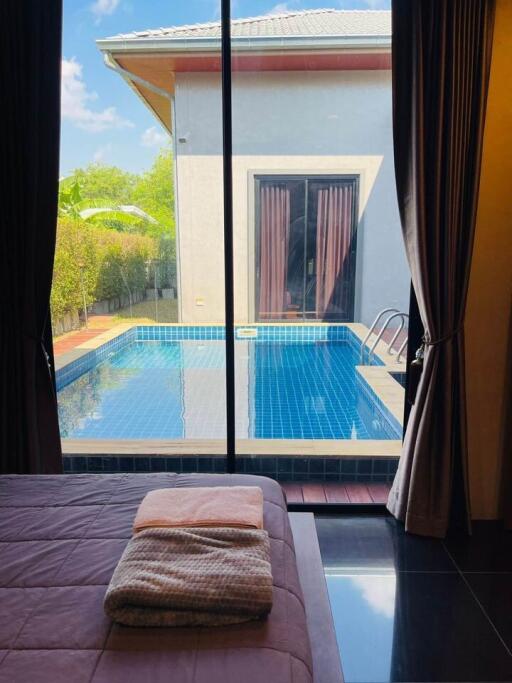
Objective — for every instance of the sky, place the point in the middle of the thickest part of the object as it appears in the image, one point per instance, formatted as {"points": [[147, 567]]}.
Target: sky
{"points": [[103, 121]]}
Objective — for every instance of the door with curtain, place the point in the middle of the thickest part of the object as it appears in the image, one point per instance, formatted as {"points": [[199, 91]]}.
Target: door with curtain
{"points": [[306, 242]]}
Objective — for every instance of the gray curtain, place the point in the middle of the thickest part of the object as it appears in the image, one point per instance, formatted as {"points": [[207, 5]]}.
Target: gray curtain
{"points": [[441, 60]]}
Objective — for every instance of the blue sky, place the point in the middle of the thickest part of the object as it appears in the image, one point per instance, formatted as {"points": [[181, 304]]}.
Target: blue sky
{"points": [[102, 119]]}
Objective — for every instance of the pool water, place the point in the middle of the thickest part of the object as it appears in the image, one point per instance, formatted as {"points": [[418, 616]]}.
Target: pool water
{"points": [[176, 390]]}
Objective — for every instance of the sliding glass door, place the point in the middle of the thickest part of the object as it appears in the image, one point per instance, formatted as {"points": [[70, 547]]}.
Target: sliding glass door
{"points": [[305, 247]]}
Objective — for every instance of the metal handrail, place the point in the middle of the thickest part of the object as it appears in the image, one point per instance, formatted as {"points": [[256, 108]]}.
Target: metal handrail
{"points": [[401, 350], [397, 333], [372, 328], [383, 328]]}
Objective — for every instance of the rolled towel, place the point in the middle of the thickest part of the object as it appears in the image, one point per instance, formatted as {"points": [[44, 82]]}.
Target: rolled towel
{"points": [[192, 577], [215, 506]]}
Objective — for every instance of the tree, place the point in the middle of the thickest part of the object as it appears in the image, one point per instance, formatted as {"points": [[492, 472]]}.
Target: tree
{"points": [[72, 205], [100, 182], [154, 193]]}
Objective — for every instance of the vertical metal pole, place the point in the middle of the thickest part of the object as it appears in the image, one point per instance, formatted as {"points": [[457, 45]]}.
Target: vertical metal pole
{"points": [[155, 290], [227, 144], [84, 297]]}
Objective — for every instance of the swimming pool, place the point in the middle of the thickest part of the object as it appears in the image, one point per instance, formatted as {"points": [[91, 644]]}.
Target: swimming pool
{"points": [[167, 382]]}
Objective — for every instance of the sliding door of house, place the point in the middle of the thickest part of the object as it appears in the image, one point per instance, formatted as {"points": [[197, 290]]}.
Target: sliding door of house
{"points": [[305, 248]]}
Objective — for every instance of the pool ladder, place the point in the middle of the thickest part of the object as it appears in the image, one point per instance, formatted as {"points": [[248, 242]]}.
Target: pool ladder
{"points": [[394, 313]]}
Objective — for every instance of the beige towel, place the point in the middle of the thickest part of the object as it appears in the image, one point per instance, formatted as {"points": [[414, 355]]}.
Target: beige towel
{"points": [[216, 506], [192, 577]]}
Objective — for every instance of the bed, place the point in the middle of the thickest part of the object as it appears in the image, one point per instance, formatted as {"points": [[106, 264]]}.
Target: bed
{"points": [[60, 540]]}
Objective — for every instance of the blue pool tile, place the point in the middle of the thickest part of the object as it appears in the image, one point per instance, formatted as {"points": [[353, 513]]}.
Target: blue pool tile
{"points": [[173, 464], [94, 464], [316, 466], [189, 464], [380, 466], [364, 466], [126, 464], [285, 464], [141, 464], [219, 465], [157, 464], [348, 466], [300, 466], [168, 382]]}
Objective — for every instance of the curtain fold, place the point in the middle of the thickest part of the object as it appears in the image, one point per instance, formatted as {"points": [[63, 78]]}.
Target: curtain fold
{"points": [[30, 57], [441, 61], [333, 237], [274, 249]]}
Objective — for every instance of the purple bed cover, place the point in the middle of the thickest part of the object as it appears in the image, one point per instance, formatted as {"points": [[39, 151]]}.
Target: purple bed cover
{"points": [[60, 540]]}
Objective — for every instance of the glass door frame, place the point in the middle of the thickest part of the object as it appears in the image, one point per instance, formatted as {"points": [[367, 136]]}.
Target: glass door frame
{"points": [[415, 324], [349, 178]]}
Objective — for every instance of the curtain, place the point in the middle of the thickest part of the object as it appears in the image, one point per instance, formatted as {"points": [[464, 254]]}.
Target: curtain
{"points": [[334, 234], [30, 56], [441, 60], [274, 248]]}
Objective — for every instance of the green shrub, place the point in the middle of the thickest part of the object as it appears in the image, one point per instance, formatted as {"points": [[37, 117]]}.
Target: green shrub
{"points": [[100, 261], [75, 261]]}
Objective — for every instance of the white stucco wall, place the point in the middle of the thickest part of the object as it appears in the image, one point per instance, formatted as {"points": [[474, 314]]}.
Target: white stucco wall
{"points": [[295, 122]]}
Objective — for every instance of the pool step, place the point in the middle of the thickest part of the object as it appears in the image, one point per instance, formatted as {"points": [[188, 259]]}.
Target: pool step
{"points": [[246, 333]]}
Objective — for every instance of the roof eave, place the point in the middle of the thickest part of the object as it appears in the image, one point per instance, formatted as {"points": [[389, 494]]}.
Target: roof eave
{"points": [[244, 44]]}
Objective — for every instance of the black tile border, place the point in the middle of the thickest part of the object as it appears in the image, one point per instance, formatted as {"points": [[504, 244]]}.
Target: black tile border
{"points": [[283, 469]]}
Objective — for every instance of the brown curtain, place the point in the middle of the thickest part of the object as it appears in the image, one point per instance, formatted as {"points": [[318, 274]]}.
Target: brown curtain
{"points": [[334, 233], [441, 60], [30, 57], [274, 246]]}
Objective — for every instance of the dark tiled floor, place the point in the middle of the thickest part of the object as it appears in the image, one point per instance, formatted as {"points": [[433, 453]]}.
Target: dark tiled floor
{"points": [[412, 609]]}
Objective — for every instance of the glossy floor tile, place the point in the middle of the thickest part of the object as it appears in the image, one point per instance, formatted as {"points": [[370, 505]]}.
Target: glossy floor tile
{"points": [[403, 611], [378, 542], [489, 549], [494, 592]]}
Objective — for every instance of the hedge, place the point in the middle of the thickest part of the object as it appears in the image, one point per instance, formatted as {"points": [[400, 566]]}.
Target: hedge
{"points": [[103, 260]]}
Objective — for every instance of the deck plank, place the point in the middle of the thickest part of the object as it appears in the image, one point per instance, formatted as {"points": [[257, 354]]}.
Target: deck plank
{"points": [[379, 492], [358, 493], [336, 493], [293, 492], [313, 493]]}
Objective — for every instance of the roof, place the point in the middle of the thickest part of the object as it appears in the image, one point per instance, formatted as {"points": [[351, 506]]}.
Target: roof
{"points": [[307, 23]]}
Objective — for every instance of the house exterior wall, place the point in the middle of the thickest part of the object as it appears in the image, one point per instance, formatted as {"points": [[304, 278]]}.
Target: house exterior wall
{"points": [[302, 123]]}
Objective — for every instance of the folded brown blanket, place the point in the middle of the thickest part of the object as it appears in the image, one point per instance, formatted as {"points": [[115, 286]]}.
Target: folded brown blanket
{"points": [[192, 577]]}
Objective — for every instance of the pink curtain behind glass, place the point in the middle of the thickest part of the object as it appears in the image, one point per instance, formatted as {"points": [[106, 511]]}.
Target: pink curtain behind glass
{"points": [[334, 233], [274, 244]]}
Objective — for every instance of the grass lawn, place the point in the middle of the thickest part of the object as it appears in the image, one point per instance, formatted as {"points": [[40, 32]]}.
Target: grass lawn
{"points": [[143, 313], [165, 311]]}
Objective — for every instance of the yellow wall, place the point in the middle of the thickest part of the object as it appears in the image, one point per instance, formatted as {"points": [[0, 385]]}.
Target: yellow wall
{"points": [[490, 291]]}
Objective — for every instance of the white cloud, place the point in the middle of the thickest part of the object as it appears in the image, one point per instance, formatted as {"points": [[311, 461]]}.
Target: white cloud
{"points": [[377, 4], [101, 8], [280, 8], [75, 99], [379, 592], [152, 137], [102, 153]]}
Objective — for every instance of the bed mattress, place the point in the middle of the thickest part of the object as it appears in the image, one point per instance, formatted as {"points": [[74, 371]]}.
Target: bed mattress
{"points": [[60, 540]]}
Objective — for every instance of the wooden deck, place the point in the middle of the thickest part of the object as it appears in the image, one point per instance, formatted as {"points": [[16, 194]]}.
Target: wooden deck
{"points": [[309, 492]]}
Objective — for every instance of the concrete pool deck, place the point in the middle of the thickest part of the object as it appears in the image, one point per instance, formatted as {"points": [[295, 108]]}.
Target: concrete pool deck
{"points": [[378, 378]]}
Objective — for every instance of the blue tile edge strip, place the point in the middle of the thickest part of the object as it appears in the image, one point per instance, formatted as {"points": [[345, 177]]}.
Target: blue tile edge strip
{"points": [[282, 469]]}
